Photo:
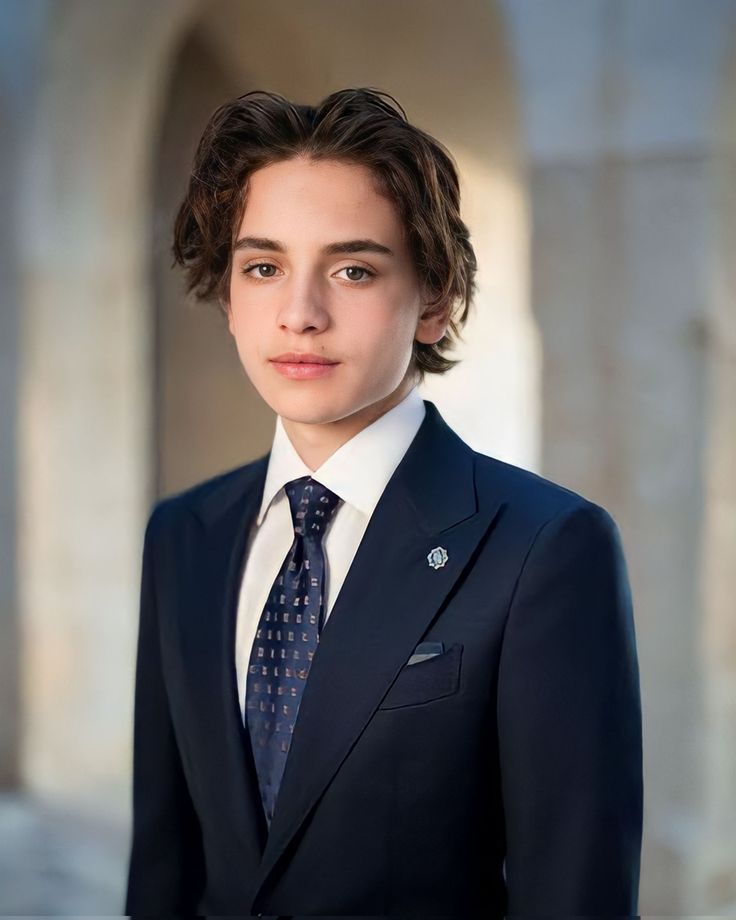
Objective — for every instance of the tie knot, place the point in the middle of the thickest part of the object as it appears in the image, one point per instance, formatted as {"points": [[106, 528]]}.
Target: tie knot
{"points": [[312, 506]]}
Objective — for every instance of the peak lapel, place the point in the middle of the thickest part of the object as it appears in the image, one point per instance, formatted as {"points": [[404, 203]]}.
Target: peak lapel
{"points": [[226, 512], [389, 599]]}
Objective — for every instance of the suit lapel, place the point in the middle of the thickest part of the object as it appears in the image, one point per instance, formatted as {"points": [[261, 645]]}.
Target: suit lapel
{"points": [[387, 602], [207, 628]]}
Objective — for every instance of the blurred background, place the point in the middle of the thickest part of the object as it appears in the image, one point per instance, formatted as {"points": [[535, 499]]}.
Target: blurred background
{"points": [[596, 140]]}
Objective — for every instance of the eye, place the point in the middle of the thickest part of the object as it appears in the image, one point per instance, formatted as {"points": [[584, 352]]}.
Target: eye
{"points": [[248, 270], [366, 273], [264, 270]]}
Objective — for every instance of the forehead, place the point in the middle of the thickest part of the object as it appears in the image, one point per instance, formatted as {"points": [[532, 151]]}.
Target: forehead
{"points": [[307, 194]]}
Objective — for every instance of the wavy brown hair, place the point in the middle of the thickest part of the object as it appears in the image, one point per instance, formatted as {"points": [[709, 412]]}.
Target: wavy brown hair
{"points": [[363, 126]]}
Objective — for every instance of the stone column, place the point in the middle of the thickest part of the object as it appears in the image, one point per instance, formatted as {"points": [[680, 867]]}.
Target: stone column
{"points": [[17, 86], [617, 98], [86, 440]]}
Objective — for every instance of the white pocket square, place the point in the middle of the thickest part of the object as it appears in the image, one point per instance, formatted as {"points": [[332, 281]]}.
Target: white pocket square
{"points": [[426, 650]]}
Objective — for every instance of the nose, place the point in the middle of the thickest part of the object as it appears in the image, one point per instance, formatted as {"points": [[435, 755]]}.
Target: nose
{"points": [[304, 305]]}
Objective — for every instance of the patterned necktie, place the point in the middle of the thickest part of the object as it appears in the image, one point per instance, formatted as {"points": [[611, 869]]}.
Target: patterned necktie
{"points": [[287, 636]]}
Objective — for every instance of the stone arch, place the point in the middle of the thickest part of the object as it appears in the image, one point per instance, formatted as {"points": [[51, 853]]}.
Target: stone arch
{"points": [[468, 102], [85, 442], [92, 246]]}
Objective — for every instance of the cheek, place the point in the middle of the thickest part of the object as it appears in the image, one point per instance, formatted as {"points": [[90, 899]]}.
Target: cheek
{"points": [[246, 339], [393, 334], [243, 322]]}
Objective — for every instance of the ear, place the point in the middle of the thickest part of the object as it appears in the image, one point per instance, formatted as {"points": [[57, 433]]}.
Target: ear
{"points": [[433, 323]]}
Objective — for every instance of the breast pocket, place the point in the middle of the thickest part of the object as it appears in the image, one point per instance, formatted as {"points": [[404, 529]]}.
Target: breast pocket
{"points": [[431, 679]]}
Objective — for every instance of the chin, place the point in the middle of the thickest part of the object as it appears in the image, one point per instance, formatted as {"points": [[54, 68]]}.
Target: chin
{"points": [[310, 408]]}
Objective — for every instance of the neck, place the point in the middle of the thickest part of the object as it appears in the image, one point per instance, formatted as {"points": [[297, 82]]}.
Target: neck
{"points": [[315, 443]]}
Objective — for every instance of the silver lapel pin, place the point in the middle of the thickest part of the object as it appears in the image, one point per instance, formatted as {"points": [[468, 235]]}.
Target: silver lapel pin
{"points": [[437, 557]]}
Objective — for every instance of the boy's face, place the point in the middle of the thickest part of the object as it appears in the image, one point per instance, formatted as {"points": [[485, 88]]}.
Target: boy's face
{"points": [[293, 290]]}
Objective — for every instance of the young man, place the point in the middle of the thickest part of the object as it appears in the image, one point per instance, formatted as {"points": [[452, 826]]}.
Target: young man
{"points": [[378, 672]]}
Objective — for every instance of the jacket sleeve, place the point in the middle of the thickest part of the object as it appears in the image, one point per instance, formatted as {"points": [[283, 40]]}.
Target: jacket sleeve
{"points": [[166, 865], [569, 723]]}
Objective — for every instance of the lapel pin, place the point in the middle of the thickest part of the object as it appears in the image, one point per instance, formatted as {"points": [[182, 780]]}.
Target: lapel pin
{"points": [[437, 557]]}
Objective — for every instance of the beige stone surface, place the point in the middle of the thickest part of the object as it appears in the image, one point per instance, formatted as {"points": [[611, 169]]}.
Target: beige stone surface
{"points": [[597, 146]]}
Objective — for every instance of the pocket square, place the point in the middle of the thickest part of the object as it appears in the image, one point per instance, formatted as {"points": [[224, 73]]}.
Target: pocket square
{"points": [[426, 650]]}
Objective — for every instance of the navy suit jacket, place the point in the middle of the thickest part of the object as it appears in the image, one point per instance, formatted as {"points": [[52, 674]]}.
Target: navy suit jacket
{"points": [[503, 776]]}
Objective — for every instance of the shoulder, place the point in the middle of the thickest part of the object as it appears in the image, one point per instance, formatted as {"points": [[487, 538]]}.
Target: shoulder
{"points": [[560, 540], [534, 504], [205, 498]]}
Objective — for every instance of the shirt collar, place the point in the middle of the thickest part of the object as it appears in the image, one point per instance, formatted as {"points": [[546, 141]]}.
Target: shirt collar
{"points": [[360, 469]]}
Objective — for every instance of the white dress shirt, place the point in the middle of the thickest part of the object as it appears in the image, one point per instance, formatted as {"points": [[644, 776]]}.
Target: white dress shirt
{"points": [[358, 472]]}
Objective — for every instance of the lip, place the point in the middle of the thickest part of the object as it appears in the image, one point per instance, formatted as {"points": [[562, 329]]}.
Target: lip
{"points": [[296, 357], [303, 366]]}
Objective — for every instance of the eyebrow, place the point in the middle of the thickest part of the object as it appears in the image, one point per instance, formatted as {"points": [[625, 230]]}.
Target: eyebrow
{"points": [[331, 249]]}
